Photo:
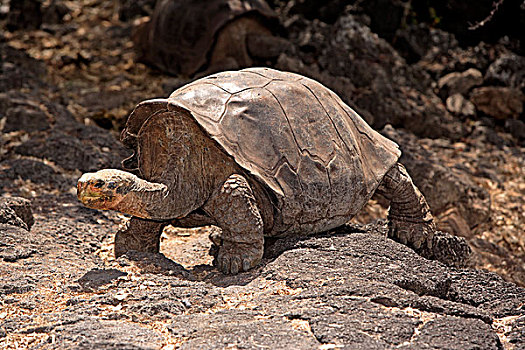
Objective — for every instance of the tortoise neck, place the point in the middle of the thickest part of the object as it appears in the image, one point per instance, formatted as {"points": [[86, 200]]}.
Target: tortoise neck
{"points": [[145, 200]]}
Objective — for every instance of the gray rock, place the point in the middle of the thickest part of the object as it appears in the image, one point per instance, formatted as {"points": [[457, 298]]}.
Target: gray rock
{"points": [[93, 333], [455, 333], [352, 288], [17, 212], [75, 150], [516, 128], [459, 82], [498, 102], [96, 278], [31, 169], [13, 284], [508, 70], [459, 105], [240, 329]]}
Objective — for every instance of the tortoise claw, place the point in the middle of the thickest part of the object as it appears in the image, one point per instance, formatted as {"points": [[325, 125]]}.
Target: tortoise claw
{"points": [[233, 258]]}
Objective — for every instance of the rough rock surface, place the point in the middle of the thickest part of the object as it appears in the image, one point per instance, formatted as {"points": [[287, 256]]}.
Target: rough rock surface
{"points": [[61, 288], [507, 70], [459, 105], [352, 288], [459, 82], [499, 102]]}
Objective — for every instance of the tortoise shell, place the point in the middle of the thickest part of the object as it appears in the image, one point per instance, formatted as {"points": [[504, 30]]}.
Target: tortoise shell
{"points": [[319, 158], [180, 34]]}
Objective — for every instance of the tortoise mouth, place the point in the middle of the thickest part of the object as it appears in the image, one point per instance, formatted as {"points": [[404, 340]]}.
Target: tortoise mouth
{"points": [[88, 195], [92, 197]]}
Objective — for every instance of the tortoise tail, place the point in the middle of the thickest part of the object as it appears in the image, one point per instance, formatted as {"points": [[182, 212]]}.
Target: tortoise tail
{"points": [[410, 221]]}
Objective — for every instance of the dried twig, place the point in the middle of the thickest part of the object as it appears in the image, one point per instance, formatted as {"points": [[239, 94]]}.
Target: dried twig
{"points": [[495, 7]]}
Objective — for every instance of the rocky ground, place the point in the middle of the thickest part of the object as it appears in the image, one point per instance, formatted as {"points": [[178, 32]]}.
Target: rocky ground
{"points": [[66, 87]]}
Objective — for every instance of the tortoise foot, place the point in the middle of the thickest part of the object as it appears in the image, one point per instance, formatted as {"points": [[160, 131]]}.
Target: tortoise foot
{"points": [[449, 249], [140, 235], [233, 257], [416, 235], [434, 245]]}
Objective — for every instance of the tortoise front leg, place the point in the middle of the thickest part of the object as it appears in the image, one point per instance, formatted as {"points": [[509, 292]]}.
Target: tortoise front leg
{"points": [[235, 211], [411, 222], [139, 234]]}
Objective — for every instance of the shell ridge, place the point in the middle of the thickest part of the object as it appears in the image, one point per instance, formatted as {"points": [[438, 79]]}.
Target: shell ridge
{"points": [[331, 120], [301, 149], [225, 109], [248, 70], [204, 82], [288, 121], [331, 189]]}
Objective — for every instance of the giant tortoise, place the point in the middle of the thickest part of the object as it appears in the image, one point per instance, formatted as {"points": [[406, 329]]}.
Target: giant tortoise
{"points": [[187, 36], [257, 152]]}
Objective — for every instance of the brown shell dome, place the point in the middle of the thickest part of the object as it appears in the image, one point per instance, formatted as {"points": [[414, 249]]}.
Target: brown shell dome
{"points": [[317, 156], [181, 33]]}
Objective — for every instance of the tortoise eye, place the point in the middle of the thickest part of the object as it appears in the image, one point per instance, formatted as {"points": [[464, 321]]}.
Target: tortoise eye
{"points": [[99, 184]]}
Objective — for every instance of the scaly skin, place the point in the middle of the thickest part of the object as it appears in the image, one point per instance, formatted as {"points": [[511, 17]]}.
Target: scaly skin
{"points": [[234, 208], [410, 221], [139, 234]]}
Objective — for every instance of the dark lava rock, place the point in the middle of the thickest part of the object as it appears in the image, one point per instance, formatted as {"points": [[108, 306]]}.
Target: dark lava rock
{"points": [[24, 14], [351, 288], [498, 102], [517, 334], [15, 244], [17, 212], [129, 9], [54, 12], [455, 333], [86, 149], [386, 16], [19, 118], [415, 41], [459, 16], [516, 128], [96, 278], [240, 329], [507, 70], [34, 170], [93, 333], [18, 69]]}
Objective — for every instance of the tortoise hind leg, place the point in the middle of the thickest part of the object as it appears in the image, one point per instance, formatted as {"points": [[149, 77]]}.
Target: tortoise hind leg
{"points": [[410, 221]]}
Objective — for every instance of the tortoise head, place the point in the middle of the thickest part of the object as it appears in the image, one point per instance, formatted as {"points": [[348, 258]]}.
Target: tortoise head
{"points": [[105, 189]]}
